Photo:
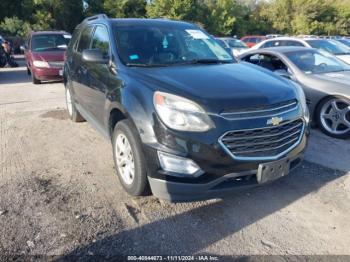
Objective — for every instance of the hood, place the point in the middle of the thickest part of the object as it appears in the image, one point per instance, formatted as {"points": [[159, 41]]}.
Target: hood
{"points": [[336, 79], [219, 87], [49, 55], [344, 58], [238, 51]]}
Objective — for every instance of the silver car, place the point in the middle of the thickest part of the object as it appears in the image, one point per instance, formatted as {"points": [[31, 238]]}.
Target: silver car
{"points": [[324, 78]]}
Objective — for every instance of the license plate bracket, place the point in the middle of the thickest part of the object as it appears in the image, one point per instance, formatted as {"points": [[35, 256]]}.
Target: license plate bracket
{"points": [[271, 171]]}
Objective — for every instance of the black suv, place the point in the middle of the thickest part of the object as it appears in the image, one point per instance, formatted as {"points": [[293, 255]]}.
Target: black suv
{"points": [[184, 118]]}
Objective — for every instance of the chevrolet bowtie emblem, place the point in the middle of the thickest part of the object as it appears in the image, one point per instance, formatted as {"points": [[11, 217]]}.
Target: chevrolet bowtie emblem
{"points": [[275, 121]]}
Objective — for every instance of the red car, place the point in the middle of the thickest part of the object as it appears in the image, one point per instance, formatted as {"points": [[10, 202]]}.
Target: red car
{"points": [[252, 40], [44, 54]]}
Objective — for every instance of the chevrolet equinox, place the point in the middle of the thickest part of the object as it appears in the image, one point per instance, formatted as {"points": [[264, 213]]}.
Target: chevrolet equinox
{"points": [[184, 118]]}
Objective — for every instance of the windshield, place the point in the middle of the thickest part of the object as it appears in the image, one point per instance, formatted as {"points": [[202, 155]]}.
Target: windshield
{"points": [[329, 46], [235, 43], [50, 42], [313, 62], [143, 45]]}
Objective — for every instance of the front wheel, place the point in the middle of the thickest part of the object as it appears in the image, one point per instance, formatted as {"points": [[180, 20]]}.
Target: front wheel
{"points": [[128, 159], [333, 117], [35, 80]]}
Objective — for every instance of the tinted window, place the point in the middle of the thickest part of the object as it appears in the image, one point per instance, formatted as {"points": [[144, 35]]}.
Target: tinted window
{"points": [[100, 40], [49, 42], [292, 43], [271, 44], [85, 39]]}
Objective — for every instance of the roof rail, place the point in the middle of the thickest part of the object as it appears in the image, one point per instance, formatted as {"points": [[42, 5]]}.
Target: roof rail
{"points": [[95, 17]]}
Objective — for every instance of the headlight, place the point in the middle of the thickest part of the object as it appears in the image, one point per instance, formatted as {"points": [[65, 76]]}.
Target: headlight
{"points": [[181, 114], [41, 64], [302, 101]]}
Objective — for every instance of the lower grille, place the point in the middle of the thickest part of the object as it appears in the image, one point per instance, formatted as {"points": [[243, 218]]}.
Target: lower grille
{"points": [[56, 64], [268, 142]]}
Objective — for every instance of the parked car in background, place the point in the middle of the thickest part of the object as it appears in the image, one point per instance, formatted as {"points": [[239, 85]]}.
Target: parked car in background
{"points": [[324, 78], [181, 114], [233, 45], [344, 41], [44, 54], [334, 47], [251, 41], [273, 36]]}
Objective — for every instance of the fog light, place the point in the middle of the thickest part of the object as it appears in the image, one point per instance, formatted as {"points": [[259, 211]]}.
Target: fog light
{"points": [[180, 165]]}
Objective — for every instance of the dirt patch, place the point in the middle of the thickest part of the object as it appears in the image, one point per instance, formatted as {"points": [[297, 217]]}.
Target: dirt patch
{"points": [[60, 114]]}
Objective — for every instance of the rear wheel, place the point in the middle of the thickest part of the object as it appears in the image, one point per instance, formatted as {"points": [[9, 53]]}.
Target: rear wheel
{"points": [[73, 113], [333, 117], [128, 158]]}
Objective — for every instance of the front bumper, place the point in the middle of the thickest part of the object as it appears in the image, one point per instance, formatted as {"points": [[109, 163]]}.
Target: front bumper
{"points": [[235, 182], [47, 74], [241, 175]]}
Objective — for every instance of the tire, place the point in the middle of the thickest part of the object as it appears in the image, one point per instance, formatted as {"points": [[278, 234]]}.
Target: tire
{"points": [[35, 80], [138, 185], [73, 113], [333, 112]]}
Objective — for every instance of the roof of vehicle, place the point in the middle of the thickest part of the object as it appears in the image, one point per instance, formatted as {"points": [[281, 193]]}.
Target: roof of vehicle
{"points": [[285, 49], [256, 36], [134, 21], [284, 38], [227, 38], [143, 21], [49, 33], [280, 49]]}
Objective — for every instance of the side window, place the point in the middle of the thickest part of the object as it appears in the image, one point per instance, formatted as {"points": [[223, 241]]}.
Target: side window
{"points": [[269, 62], [293, 43], [100, 40], [270, 44], [85, 39]]}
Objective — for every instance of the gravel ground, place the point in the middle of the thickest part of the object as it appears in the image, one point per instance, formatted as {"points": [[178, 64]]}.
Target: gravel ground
{"points": [[60, 196]]}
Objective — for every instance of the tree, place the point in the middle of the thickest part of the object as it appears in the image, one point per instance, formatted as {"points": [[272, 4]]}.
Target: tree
{"points": [[125, 8], [93, 7], [173, 9], [15, 26]]}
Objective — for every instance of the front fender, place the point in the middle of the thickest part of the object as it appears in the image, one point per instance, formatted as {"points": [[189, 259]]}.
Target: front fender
{"points": [[136, 105]]}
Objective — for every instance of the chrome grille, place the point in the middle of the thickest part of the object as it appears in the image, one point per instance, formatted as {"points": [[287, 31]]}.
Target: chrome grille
{"points": [[265, 143], [56, 64], [261, 111]]}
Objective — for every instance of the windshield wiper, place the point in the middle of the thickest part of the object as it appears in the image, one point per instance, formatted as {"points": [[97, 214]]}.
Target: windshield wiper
{"points": [[203, 61], [145, 65], [210, 61]]}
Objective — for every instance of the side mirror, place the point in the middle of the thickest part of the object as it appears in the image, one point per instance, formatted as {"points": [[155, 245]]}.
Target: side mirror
{"points": [[283, 73], [95, 56]]}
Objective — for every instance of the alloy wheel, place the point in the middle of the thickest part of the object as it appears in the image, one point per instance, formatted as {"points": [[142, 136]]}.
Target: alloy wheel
{"points": [[335, 116], [124, 159]]}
